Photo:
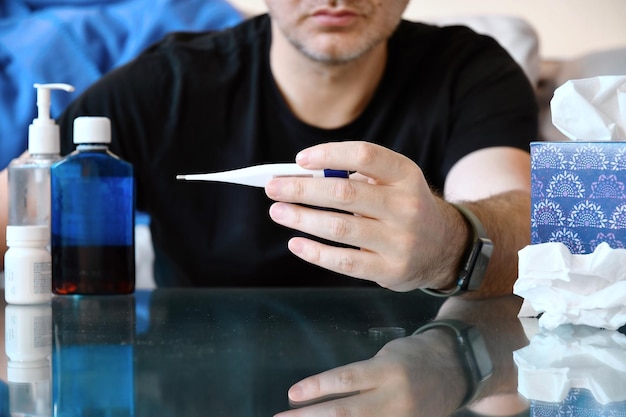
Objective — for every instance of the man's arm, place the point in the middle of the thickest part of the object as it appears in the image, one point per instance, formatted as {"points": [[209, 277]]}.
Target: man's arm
{"points": [[495, 184], [401, 234]]}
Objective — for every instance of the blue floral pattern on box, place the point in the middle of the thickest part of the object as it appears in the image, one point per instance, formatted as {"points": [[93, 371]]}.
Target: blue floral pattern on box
{"points": [[578, 402], [578, 194]]}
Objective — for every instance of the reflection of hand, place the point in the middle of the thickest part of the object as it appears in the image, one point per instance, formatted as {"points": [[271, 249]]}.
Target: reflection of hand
{"points": [[412, 376], [395, 216], [422, 375]]}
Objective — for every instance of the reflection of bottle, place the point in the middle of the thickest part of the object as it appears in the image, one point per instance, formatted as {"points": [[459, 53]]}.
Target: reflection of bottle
{"points": [[4, 399], [28, 345], [92, 356], [93, 213]]}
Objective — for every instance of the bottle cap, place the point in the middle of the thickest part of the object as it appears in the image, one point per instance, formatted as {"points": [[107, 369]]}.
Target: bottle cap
{"points": [[92, 129], [27, 234], [28, 372], [43, 132]]}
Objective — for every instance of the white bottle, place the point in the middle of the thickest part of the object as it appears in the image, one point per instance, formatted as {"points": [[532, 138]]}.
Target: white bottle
{"points": [[29, 175], [27, 265]]}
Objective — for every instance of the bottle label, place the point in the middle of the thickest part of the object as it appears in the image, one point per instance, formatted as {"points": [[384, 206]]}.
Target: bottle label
{"points": [[28, 278], [42, 276]]}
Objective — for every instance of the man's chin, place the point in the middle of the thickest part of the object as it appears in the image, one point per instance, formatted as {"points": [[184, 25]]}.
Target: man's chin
{"points": [[328, 53]]}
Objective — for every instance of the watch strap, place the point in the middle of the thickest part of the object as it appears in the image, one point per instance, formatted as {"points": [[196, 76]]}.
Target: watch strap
{"points": [[472, 353], [475, 260]]}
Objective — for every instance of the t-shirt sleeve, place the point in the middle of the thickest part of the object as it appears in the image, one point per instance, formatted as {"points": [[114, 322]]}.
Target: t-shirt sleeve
{"points": [[493, 103]]}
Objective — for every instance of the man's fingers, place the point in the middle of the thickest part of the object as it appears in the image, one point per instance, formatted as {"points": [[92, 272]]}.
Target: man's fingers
{"points": [[345, 261], [353, 262], [369, 159], [368, 256], [337, 193], [343, 228]]}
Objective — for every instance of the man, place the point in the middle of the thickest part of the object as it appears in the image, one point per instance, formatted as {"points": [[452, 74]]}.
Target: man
{"points": [[414, 110]]}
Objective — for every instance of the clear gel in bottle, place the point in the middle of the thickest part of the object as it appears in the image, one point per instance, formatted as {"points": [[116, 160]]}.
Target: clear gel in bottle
{"points": [[93, 215], [29, 175]]}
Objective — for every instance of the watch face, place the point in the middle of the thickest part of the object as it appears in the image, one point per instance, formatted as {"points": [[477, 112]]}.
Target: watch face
{"points": [[481, 354], [483, 249]]}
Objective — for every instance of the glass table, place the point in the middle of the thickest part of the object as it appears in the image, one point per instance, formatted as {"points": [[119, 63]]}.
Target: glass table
{"points": [[237, 352]]}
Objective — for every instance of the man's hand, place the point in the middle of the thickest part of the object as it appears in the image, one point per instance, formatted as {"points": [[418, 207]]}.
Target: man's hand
{"points": [[401, 235]]}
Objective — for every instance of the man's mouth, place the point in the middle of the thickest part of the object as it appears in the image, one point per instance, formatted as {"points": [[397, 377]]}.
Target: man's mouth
{"points": [[334, 17]]}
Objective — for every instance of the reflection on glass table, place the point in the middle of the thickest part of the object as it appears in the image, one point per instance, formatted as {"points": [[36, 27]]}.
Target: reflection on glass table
{"points": [[28, 345], [573, 369], [241, 352], [92, 356]]}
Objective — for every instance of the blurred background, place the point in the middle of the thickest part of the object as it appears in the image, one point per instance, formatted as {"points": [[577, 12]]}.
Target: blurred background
{"points": [[566, 28]]}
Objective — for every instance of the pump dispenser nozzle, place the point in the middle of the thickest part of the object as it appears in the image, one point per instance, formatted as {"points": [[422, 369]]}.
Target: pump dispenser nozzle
{"points": [[43, 133]]}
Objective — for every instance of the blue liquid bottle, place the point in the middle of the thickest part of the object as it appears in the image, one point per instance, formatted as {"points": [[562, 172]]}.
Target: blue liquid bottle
{"points": [[93, 216]]}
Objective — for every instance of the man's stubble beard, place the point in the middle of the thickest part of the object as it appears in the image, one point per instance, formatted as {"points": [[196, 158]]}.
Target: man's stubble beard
{"points": [[334, 58]]}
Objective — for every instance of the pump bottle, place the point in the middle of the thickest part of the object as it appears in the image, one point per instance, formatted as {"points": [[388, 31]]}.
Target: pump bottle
{"points": [[93, 215], [29, 175]]}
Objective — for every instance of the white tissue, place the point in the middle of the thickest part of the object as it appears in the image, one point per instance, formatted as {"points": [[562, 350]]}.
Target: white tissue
{"points": [[587, 289], [573, 357], [591, 109]]}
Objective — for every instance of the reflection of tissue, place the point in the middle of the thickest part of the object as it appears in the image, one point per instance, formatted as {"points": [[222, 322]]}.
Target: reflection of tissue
{"points": [[591, 109], [585, 289], [573, 357]]}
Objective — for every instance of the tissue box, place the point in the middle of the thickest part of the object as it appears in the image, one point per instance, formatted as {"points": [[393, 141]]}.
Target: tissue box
{"points": [[578, 194], [578, 402]]}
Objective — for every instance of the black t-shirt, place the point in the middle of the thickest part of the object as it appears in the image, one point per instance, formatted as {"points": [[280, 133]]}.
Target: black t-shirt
{"points": [[202, 102]]}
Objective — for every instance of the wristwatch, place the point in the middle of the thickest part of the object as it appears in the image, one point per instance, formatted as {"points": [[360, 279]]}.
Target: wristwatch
{"points": [[475, 260], [472, 352]]}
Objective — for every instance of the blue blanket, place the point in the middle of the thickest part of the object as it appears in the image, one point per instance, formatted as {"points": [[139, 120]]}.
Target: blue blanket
{"points": [[76, 42]]}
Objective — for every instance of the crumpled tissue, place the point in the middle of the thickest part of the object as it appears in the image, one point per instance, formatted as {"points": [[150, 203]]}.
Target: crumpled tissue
{"points": [[560, 287], [591, 109], [573, 357]]}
